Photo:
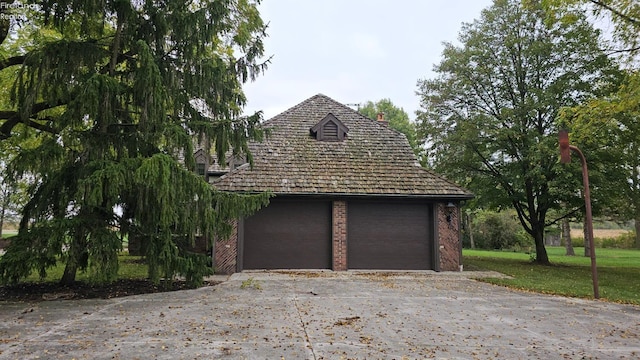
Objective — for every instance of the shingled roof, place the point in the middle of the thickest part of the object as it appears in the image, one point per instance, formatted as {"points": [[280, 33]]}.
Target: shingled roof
{"points": [[373, 160]]}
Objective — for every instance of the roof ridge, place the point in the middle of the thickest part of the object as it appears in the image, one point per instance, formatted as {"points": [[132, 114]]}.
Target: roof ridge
{"points": [[375, 160], [319, 96], [298, 105]]}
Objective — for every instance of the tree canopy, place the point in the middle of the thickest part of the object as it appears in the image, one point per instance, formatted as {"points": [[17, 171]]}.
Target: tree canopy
{"points": [[624, 14], [489, 115], [114, 92], [13, 192], [609, 129], [398, 119]]}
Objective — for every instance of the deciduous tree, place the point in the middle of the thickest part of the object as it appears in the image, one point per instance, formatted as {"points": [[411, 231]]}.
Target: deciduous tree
{"points": [[398, 119], [609, 127], [489, 115], [624, 14]]}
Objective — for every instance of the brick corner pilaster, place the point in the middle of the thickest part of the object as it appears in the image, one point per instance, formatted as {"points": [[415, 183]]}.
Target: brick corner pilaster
{"points": [[339, 235], [449, 238], [226, 252]]}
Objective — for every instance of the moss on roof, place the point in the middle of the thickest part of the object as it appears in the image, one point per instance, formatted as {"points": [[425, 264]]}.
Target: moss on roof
{"points": [[373, 160]]}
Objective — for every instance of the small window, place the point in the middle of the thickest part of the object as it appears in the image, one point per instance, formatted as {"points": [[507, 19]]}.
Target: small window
{"points": [[201, 162], [200, 169], [329, 129]]}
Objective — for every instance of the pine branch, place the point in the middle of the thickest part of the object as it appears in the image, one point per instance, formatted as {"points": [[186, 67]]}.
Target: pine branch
{"points": [[5, 129], [14, 60], [120, 58], [13, 119], [39, 126], [7, 114]]}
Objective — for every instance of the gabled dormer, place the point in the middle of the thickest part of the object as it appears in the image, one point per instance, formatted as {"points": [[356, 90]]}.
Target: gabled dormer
{"points": [[202, 162], [329, 129]]}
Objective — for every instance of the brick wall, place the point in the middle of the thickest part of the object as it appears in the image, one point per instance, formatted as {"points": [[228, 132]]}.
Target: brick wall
{"points": [[448, 238], [226, 252], [339, 235]]}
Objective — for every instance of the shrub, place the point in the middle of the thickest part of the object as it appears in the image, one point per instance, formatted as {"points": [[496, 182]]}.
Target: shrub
{"points": [[623, 241], [498, 230]]}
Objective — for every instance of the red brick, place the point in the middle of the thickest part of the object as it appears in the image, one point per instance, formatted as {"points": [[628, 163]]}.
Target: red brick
{"points": [[448, 238], [339, 235], [226, 252]]}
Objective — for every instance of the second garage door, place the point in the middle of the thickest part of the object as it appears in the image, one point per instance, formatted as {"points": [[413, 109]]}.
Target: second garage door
{"points": [[288, 234], [389, 235]]}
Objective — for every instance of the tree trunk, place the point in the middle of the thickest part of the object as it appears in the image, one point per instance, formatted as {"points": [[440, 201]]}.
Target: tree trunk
{"points": [[5, 204], [541, 251], [566, 235], [77, 258], [637, 221], [2, 221], [69, 276], [587, 246], [473, 243]]}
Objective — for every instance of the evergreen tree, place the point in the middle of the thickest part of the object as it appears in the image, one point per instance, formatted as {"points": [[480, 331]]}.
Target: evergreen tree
{"points": [[115, 91]]}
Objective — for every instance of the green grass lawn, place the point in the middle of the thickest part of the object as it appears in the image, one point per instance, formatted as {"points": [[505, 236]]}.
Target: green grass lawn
{"points": [[9, 233], [618, 272], [129, 267]]}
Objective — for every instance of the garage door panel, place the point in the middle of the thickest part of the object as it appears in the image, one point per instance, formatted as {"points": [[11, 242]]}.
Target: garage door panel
{"points": [[289, 234], [392, 236]]}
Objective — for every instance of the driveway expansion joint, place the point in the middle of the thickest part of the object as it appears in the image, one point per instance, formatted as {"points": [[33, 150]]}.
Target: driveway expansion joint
{"points": [[307, 340]]}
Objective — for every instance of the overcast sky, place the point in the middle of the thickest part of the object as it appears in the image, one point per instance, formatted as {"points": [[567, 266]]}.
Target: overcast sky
{"points": [[354, 50]]}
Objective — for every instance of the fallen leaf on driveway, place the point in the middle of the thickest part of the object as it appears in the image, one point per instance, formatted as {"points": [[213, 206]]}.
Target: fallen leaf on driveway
{"points": [[347, 321]]}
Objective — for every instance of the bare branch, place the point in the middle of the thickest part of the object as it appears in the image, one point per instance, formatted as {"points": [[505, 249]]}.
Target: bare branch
{"points": [[618, 51]]}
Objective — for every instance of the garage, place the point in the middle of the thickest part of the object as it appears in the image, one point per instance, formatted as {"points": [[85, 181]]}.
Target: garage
{"points": [[389, 235], [348, 194], [288, 234]]}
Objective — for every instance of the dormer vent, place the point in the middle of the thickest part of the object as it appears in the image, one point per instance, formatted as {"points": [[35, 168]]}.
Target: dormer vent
{"points": [[329, 129]]}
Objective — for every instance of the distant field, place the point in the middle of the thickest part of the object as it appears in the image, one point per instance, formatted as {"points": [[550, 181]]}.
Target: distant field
{"points": [[598, 233]]}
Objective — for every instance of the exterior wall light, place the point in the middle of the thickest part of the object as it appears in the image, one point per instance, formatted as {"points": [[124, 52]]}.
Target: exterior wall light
{"points": [[450, 208]]}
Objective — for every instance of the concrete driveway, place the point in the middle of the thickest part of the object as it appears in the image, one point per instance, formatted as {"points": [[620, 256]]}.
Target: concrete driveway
{"points": [[325, 315]]}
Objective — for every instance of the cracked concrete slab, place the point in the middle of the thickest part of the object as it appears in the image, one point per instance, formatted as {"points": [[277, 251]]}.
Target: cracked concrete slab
{"points": [[325, 315]]}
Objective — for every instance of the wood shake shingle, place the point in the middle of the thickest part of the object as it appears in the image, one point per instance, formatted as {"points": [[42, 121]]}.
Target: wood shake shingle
{"points": [[373, 159]]}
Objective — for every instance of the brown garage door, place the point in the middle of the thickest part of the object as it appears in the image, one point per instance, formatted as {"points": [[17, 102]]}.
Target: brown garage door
{"points": [[288, 234], [389, 235]]}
